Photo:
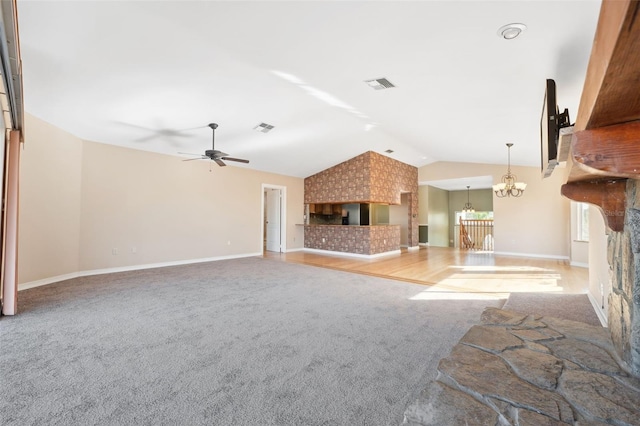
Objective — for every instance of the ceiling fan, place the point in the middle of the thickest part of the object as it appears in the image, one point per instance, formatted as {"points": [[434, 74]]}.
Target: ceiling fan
{"points": [[213, 153], [171, 136]]}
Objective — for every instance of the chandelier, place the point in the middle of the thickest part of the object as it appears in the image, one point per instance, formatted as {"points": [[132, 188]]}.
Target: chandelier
{"points": [[509, 187], [468, 208]]}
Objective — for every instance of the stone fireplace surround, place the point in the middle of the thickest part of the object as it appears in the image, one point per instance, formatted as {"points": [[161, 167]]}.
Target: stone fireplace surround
{"points": [[518, 369]]}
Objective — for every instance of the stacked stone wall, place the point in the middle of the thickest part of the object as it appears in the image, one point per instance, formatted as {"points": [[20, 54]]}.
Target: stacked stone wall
{"points": [[624, 301], [519, 369]]}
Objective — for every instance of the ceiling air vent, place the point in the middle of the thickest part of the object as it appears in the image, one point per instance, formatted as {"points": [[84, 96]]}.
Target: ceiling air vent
{"points": [[380, 83], [389, 151], [263, 128]]}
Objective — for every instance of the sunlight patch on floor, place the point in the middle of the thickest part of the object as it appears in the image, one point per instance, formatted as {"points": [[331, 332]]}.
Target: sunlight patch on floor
{"points": [[502, 283], [454, 295], [492, 282], [494, 268]]}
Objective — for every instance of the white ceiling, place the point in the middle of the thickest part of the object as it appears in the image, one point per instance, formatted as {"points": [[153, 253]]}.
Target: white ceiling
{"points": [[474, 182], [151, 75]]}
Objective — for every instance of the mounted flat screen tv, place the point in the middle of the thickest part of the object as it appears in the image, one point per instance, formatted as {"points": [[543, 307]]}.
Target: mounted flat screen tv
{"points": [[550, 124]]}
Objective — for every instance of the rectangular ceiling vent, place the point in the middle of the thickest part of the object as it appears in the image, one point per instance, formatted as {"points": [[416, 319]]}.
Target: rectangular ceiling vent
{"points": [[389, 151], [263, 128], [380, 83]]}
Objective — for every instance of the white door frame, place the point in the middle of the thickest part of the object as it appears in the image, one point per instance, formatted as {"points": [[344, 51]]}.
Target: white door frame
{"points": [[283, 215]]}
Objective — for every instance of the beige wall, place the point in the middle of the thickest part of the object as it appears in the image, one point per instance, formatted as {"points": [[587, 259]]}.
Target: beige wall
{"points": [[438, 219], [481, 199], [149, 208], [423, 205], [399, 215], [379, 214], [537, 223], [50, 202]]}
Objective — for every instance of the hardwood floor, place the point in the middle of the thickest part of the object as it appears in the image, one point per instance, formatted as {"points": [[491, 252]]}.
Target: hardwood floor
{"points": [[448, 270]]}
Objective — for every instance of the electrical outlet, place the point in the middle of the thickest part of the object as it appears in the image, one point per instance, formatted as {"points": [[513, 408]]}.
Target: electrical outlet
{"points": [[229, 242], [114, 251], [324, 240], [134, 250]]}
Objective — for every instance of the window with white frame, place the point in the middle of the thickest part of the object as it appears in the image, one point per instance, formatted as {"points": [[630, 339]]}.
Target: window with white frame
{"points": [[582, 222]]}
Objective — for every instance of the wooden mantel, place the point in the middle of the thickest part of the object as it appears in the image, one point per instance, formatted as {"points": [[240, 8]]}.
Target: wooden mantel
{"points": [[605, 147]]}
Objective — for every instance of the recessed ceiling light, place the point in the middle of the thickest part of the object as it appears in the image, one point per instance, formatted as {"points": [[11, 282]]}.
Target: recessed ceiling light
{"points": [[380, 83], [263, 128], [511, 31]]}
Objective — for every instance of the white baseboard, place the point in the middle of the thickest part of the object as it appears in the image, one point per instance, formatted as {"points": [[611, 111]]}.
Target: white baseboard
{"points": [[294, 250], [361, 256], [579, 264], [51, 280], [596, 307], [413, 248], [541, 256]]}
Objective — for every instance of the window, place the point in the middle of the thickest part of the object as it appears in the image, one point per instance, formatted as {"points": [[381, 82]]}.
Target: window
{"points": [[473, 215], [582, 222]]}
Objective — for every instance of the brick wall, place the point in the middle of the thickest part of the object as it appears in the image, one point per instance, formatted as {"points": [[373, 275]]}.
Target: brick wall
{"points": [[366, 240], [368, 178]]}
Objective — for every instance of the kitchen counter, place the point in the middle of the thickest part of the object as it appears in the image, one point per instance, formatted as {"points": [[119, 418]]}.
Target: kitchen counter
{"points": [[357, 239]]}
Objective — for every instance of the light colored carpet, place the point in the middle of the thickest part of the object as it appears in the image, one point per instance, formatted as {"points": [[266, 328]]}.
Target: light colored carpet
{"points": [[574, 307], [239, 342]]}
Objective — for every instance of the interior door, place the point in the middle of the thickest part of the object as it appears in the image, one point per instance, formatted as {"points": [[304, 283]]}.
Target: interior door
{"points": [[273, 219]]}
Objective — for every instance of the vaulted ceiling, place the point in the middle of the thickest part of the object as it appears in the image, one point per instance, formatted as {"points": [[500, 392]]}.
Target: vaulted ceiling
{"points": [[151, 75]]}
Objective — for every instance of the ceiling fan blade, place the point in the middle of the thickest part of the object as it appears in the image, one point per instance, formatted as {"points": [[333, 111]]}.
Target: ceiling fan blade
{"points": [[213, 154], [239, 160], [159, 127], [146, 138]]}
